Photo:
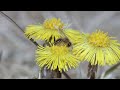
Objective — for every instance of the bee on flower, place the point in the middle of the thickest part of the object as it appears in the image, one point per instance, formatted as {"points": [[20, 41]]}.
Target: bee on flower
{"points": [[51, 30]]}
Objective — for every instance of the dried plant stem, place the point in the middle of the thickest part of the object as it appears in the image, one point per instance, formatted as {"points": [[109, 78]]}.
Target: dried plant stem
{"points": [[66, 75], [92, 70], [35, 43]]}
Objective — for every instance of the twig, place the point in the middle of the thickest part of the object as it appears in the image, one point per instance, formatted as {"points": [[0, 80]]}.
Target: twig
{"points": [[66, 75], [12, 21]]}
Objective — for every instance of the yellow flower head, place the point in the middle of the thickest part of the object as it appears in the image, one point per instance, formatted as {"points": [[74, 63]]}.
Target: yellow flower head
{"points": [[51, 30], [98, 48], [56, 57], [99, 39], [53, 24]]}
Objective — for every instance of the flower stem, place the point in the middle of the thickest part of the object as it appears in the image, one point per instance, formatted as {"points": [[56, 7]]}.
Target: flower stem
{"points": [[58, 74], [49, 74], [92, 70]]}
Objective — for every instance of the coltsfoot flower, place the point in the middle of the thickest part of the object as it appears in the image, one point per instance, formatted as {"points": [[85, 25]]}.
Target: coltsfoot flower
{"points": [[98, 48], [56, 57], [51, 30]]}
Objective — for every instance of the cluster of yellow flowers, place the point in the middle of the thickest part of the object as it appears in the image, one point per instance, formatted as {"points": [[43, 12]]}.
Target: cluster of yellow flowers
{"points": [[98, 48]]}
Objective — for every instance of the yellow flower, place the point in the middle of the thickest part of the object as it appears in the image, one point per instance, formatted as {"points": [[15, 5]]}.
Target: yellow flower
{"points": [[73, 35], [98, 48], [56, 57], [51, 30]]}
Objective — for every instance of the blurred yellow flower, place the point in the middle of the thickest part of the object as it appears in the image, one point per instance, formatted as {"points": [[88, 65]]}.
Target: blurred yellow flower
{"points": [[51, 30], [98, 48], [56, 57]]}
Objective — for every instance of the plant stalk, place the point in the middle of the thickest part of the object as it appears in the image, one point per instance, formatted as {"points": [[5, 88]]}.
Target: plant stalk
{"points": [[92, 70], [50, 74]]}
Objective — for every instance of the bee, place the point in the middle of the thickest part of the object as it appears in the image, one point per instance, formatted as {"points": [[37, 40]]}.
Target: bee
{"points": [[63, 41]]}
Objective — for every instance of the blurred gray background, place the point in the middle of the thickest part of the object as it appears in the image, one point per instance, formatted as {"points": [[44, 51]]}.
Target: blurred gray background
{"points": [[17, 53]]}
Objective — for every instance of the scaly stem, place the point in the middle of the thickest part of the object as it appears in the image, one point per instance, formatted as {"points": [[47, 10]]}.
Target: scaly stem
{"points": [[58, 73], [92, 70], [49, 74]]}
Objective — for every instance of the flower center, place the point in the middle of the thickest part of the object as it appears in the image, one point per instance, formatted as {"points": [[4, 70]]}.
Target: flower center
{"points": [[53, 23], [59, 50], [99, 39]]}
